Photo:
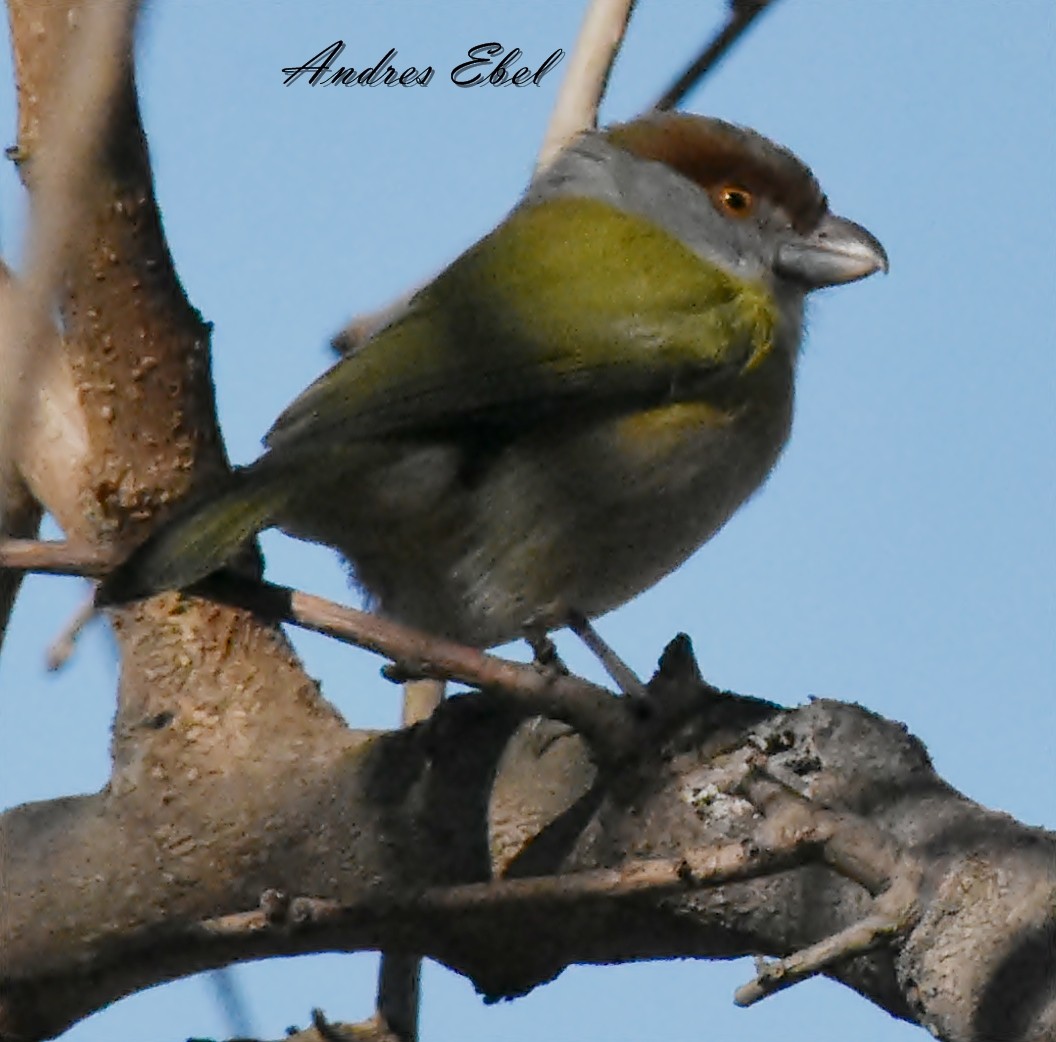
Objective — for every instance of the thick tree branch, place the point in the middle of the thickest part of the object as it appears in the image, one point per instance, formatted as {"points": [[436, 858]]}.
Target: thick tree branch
{"points": [[136, 355], [73, 109], [48, 435], [409, 833]]}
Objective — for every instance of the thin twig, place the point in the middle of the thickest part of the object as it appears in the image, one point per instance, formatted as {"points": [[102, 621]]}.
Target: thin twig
{"points": [[860, 937], [742, 14], [575, 111], [55, 558], [594, 712], [578, 100], [706, 867], [62, 647], [852, 846], [603, 720]]}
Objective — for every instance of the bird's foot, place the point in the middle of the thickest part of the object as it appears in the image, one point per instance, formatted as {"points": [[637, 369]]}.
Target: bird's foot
{"points": [[624, 677], [546, 658], [402, 673]]}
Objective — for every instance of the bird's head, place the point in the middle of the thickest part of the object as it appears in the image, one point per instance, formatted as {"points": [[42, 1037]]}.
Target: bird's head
{"points": [[766, 209]]}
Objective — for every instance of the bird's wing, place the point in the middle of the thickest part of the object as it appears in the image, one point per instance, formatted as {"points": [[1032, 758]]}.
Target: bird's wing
{"points": [[568, 307]]}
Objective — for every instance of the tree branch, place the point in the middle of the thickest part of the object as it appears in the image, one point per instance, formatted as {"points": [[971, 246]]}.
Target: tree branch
{"points": [[74, 117], [604, 720], [742, 14], [20, 517], [398, 1006], [587, 75], [395, 841]]}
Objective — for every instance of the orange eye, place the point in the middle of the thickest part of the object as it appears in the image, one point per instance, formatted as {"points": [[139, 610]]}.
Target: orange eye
{"points": [[734, 201]]}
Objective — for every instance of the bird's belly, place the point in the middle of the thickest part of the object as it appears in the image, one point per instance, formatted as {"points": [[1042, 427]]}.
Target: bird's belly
{"points": [[572, 519], [626, 504], [563, 521]]}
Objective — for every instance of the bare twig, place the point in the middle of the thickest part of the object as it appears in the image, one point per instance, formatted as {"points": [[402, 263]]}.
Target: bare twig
{"points": [[63, 645], [742, 14], [791, 832], [849, 844], [594, 712], [575, 111], [55, 558], [576, 108], [779, 846], [707, 867], [856, 849], [772, 977], [602, 719], [75, 118]]}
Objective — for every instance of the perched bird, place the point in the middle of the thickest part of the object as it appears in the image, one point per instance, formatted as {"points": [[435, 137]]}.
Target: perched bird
{"points": [[563, 415]]}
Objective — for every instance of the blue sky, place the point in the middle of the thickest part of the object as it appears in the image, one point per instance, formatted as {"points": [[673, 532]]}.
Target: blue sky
{"points": [[901, 555]]}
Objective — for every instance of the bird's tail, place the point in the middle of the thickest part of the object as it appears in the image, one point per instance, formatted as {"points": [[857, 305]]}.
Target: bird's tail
{"points": [[199, 539]]}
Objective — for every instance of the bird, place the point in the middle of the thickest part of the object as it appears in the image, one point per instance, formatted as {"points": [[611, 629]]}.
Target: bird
{"points": [[569, 410]]}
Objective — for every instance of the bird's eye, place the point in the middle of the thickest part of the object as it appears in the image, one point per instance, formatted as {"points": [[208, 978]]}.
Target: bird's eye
{"points": [[734, 201]]}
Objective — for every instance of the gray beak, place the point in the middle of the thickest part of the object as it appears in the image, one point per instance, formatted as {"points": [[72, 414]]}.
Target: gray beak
{"points": [[836, 251]]}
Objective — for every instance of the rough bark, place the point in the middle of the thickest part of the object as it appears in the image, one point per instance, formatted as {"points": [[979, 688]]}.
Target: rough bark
{"points": [[745, 828], [109, 893]]}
